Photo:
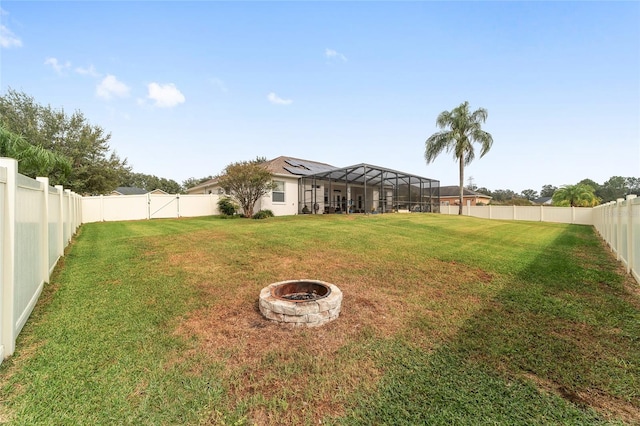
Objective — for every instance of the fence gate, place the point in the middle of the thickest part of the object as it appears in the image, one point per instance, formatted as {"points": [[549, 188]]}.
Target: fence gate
{"points": [[164, 206]]}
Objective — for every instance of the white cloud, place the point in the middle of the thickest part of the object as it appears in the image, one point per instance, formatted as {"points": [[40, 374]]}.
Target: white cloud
{"points": [[332, 54], [91, 71], [274, 99], [165, 95], [8, 39], [57, 65], [110, 87]]}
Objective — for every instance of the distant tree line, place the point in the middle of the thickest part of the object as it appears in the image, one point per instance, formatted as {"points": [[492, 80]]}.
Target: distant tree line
{"points": [[95, 169], [68, 149], [614, 188]]}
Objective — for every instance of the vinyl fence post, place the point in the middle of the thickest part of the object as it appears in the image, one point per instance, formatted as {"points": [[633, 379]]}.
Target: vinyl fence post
{"points": [[8, 257], [619, 202], [630, 247], [67, 219], [44, 229], [60, 242], [609, 219]]}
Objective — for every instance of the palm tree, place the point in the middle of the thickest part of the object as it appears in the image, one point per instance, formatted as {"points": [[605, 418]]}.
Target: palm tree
{"points": [[33, 160], [465, 129], [579, 195]]}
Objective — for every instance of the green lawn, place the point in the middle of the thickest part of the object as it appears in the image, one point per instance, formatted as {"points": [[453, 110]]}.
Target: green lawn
{"points": [[445, 320]]}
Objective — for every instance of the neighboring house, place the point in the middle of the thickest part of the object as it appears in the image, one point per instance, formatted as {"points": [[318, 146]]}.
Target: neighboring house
{"points": [[543, 201], [450, 196], [305, 186], [132, 190]]}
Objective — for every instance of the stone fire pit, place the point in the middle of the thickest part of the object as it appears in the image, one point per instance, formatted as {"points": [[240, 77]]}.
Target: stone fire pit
{"points": [[301, 303]]}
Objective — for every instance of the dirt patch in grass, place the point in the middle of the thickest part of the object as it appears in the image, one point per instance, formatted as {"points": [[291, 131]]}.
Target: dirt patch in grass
{"points": [[608, 406], [291, 376]]}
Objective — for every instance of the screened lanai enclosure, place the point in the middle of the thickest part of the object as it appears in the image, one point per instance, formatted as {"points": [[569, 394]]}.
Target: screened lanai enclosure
{"points": [[364, 188]]}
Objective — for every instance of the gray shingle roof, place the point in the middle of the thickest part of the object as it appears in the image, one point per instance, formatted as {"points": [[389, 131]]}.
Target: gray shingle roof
{"points": [[454, 191]]}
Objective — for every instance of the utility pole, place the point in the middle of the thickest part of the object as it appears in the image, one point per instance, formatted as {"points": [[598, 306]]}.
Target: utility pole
{"points": [[471, 184]]}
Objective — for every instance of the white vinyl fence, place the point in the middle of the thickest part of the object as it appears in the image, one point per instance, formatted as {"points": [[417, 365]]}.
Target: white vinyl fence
{"points": [[38, 222], [618, 223], [147, 206], [575, 215]]}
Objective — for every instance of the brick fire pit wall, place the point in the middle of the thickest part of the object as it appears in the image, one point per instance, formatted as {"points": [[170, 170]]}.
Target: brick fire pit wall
{"points": [[300, 313]]}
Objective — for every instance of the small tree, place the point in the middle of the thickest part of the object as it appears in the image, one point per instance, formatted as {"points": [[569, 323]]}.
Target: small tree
{"points": [[226, 206], [246, 182], [579, 195]]}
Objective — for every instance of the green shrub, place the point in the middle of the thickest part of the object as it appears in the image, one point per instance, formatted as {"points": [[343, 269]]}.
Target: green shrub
{"points": [[263, 214], [227, 207]]}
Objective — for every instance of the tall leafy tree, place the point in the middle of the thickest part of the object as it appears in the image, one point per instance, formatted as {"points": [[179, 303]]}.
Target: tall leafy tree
{"points": [[547, 190], [151, 182], [484, 191], [462, 129], [33, 160], [579, 195], [192, 181], [633, 183], [503, 195], [530, 194], [246, 182], [95, 168], [616, 187]]}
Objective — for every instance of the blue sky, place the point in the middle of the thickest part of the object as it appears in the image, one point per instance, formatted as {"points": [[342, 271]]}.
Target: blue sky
{"points": [[186, 88]]}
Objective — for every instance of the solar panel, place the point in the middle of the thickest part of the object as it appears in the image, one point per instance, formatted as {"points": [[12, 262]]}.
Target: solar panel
{"points": [[297, 171], [292, 163], [315, 167]]}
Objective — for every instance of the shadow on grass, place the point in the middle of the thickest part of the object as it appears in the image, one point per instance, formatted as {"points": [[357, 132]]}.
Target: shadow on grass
{"points": [[557, 345]]}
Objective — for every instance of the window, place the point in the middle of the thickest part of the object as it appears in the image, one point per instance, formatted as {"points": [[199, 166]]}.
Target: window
{"points": [[277, 195]]}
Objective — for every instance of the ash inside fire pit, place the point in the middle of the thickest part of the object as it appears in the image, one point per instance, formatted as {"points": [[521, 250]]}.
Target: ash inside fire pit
{"points": [[301, 291], [300, 296]]}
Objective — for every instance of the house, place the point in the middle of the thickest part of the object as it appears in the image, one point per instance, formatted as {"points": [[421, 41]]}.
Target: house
{"points": [[543, 201], [450, 196], [132, 190], [305, 186]]}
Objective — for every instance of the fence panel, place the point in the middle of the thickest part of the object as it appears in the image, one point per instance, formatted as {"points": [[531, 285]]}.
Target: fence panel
{"points": [[28, 249], [582, 216], [557, 214], [618, 223], [634, 222], [147, 206], [483, 212], [199, 205], [32, 217], [3, 259], [125, 207], [92, 209], [502, 212]]}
